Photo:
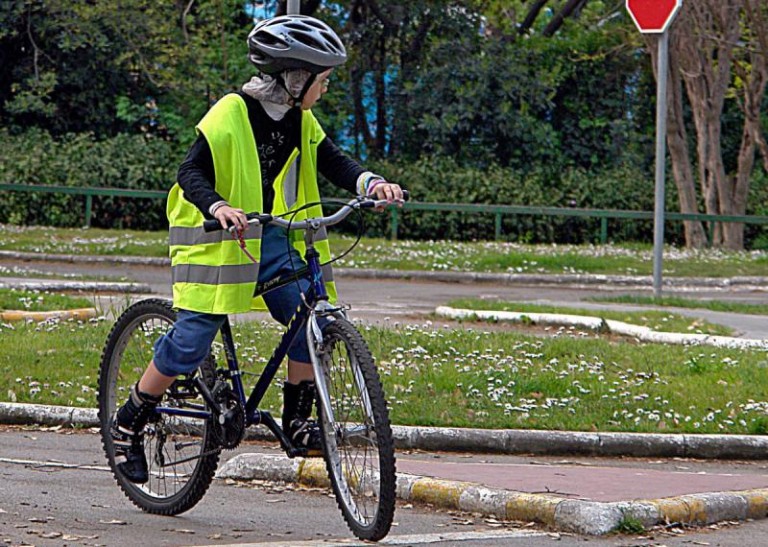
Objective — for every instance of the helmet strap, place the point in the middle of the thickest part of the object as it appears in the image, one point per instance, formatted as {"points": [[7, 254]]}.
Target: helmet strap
{"points": [[296, 100]]}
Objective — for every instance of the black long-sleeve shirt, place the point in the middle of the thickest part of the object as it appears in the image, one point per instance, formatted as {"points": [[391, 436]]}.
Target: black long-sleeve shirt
{"points": [[275, 141]]}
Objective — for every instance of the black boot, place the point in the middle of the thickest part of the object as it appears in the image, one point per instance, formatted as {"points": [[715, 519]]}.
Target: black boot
{"points": [[298, 401], [127, 434]]}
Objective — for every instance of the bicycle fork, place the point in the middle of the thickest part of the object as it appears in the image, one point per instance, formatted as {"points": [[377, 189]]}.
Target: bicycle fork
{"points": [[315, 340]]}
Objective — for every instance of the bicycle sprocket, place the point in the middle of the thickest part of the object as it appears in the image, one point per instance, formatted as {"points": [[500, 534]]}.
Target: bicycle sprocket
{"points": [[229, 426]]}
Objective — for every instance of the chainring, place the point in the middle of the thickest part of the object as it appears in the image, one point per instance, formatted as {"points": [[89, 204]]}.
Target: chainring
{"points": [[229, 426]]}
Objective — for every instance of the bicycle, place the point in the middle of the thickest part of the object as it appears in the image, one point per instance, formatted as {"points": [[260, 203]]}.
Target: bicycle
{"points": [[207, 411]]}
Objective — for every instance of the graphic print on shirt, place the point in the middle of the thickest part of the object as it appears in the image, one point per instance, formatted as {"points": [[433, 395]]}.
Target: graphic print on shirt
{"points": [[269, 156]]}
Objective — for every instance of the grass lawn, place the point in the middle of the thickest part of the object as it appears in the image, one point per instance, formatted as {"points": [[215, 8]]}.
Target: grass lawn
{"points": [[24, 300], [466, 377], [82, 241], [492, 257]]}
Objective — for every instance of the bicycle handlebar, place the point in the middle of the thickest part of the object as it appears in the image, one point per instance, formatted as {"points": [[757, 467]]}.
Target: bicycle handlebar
{"points": [[360, 202]]}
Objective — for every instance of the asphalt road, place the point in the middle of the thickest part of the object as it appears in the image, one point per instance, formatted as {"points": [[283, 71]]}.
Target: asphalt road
{"points": [[55, 489], [45, 503], [382, 300]]}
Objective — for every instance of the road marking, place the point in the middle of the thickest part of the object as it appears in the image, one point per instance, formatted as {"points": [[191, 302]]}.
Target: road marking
{"points": [[413, 539], [36, 463]]}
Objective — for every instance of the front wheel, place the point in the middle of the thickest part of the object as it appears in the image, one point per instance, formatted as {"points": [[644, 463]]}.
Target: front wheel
{"points": [[181, 451], [357, 437]]}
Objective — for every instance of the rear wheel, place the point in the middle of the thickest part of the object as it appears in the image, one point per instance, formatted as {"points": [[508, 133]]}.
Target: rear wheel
{"points": [[357, 438], [181, 452]]}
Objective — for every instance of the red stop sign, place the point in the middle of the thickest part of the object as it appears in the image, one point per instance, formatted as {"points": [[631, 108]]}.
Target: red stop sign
{"points": [[653, 15]]}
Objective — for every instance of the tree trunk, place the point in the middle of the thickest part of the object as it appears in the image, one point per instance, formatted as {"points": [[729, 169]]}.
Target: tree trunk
{"points": [[709, 31], [752, 70], [381, 101], [677, 141], [361, 120]]}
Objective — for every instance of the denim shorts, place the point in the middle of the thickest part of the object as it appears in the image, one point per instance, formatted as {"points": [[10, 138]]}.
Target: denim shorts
{"points": [[182, 349]]}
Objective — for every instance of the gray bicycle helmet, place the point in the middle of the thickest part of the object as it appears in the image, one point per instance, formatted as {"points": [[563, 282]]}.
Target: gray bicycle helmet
{"points": [[294, 41]]}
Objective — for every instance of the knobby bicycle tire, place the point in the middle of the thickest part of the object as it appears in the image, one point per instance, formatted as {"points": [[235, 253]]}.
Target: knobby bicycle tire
{"points": [[181, 452], [357, 443]]}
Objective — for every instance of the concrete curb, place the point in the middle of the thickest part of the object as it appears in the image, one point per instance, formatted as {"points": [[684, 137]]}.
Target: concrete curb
{"points": [[579, 516], [607, 325], [78, 286], [583, 517], [24, 413], [19, 315], [581, 443], [94, 259], [499, 441], [558, 279]]}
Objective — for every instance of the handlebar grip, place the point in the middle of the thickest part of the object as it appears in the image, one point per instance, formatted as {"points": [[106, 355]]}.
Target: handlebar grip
{"points": [[211, 225], [372, 204], [214, 225]]}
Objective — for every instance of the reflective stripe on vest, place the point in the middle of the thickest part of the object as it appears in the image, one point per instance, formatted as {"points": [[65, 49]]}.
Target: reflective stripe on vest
{"points": [[180, 235], [214, 275]]}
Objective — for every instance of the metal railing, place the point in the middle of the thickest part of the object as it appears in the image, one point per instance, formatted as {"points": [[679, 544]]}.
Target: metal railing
{"points": [[499, 211], [87, 191], [604, 215]]}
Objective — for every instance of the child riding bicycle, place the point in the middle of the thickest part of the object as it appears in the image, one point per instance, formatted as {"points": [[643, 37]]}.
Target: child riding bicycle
{"points": [[247, 145]]}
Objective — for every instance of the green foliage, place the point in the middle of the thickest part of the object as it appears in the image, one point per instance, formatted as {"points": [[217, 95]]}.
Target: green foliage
{"points": [[758, 426], [454, 98], [488, 109], [630, 525], [32, 300], [33, 96], [757, 204], [529, 102], [75, 59], [442, 179], [81, 160]]}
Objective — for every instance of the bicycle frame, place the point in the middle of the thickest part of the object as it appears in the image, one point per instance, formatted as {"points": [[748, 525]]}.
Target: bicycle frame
{"points": [[297, 324]]}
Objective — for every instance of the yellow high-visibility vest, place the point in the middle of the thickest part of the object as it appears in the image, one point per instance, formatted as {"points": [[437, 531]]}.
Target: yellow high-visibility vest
{"points": [[210, 272]]}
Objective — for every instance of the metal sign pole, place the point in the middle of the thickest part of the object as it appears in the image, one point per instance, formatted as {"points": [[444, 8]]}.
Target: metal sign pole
{"points": [[291, 184], [655, 16], [661, 134]]}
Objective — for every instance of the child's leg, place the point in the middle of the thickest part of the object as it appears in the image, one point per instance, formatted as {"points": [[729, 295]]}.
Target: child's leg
{"points": [[299, 372], [154, 382], [179, 351], [279, 258]]}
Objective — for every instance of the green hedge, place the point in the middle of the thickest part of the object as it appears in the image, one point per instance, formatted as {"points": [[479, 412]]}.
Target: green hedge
{"points": [[134, 162], [756, 236], [442, 180], [80, 160]]}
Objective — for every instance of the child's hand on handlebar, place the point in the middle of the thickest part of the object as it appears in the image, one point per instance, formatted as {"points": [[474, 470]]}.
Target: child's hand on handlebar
{"points": [[229, 216], [381, 189]]}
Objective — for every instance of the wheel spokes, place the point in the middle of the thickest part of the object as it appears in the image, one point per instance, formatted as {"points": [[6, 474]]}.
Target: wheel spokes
{"points": [[355, 439]]}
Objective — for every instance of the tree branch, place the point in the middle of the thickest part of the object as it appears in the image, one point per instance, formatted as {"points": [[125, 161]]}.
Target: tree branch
{"points": [[184, 21], [36, 50], [533, 13], [570, 7], [388, 23]]}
